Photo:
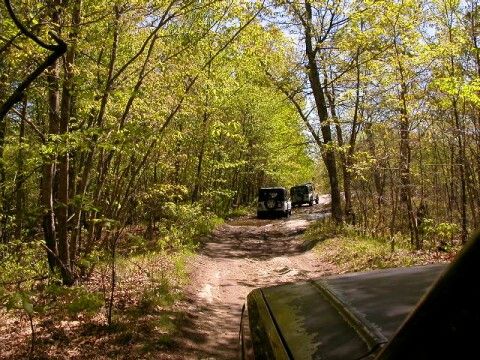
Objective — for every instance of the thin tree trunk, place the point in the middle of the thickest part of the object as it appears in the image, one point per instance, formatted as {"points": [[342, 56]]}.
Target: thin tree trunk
{"points": [[198, 174], [89, 158], [3, 89], [70, 88], [48, 169], [377, 180], [204, 134], [3, 196], [64, 251], [19, 189], [344, 161], [405, 155], [49, 64], [321, 105], [461, 166]]}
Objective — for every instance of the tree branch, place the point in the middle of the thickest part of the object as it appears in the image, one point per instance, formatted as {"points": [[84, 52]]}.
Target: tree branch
{"points": [[57, 51], [32, 125], [29, 34]]}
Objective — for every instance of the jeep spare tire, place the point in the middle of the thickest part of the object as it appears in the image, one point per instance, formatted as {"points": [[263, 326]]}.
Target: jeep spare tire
{"points": [[271, 203]]}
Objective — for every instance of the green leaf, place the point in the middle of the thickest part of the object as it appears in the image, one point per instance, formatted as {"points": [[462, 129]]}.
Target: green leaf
{"points": [[27, 306]]}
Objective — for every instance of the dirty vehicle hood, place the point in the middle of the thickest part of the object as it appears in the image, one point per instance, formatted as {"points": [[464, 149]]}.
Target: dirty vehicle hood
{"points": [[340, 317]]}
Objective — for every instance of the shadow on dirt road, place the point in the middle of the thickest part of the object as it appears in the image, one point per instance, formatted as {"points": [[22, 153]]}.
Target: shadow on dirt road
{"points": [[242, 255], [251, 238]]}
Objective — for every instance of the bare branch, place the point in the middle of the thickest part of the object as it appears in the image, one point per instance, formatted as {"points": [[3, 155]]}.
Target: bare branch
{"points": [[57, 51], [32, 125]]}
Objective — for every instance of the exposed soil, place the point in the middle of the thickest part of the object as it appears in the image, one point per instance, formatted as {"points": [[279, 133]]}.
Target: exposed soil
{"points": [[242, 255]]}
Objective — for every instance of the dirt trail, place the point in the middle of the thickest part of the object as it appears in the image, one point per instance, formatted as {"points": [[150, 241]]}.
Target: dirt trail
{"points": [[240, 256]]}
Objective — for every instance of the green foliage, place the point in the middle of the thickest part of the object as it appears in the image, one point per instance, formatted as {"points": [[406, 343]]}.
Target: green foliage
{"points": [[88, 261], [18, 300], [158, 295], [159, 194], [147, 104], [364, 253], [439, 234], [22, 262], [135, 244], [83, 301], [239, 211], [75, 300], [182, 224], [189, 92], [350, 250], [322, 230]]}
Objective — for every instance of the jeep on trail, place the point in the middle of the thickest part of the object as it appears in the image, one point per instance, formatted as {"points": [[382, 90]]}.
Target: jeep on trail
{"points": [[273, 201], [303, 194]]}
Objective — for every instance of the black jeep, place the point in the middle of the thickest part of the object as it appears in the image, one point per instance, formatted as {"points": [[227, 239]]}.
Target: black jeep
{"points": [[273, 201]]}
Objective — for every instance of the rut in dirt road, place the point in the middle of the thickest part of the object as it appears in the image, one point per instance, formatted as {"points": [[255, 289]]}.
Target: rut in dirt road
{"points": [[240, 256]]}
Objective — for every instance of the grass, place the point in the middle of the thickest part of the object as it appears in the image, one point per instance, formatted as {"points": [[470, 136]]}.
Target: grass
{"points": [[239, 211], [350, 250]]}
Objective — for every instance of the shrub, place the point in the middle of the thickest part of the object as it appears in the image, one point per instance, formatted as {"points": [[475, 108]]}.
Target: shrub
{"points": [[75, 300], [439, 235], [84, 302], [239, 211], [158, 295], [22, 262], [350, 250]]}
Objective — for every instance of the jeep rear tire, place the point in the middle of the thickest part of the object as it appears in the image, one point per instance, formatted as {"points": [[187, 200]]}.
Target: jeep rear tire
{"points": [[270, 204]]}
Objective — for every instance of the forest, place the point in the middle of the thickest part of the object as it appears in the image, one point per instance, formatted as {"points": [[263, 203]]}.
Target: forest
{"points": [[129, 129]]}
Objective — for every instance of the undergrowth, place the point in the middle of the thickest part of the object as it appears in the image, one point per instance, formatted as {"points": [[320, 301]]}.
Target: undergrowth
{"points": [[150, 276], [352, 250], [239, 211]]}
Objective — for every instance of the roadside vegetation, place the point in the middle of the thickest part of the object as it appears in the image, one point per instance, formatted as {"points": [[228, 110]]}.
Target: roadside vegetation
{"points": [[351, 249], [136, 313]]}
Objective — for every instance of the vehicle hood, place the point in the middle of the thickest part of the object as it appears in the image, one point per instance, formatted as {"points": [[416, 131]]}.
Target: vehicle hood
{"points": [[340, 317]]}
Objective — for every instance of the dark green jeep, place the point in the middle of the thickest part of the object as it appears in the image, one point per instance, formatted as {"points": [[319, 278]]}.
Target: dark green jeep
{"points": [[423, 312], [303, 194]]}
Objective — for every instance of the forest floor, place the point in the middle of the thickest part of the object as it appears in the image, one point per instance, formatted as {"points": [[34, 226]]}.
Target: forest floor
{"points": [[240, 256]]}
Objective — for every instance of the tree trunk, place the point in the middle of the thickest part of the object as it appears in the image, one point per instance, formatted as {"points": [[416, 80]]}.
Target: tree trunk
{"points": [[204, 134], [48, 169], [405, 183], [405, 154], [19, 190], [3, 121], [64, 250], [346, 156], [321, 105], [461, 169], [377, 179]]}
